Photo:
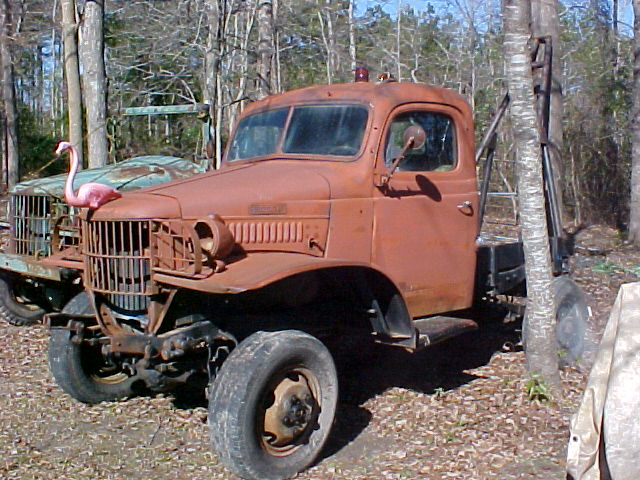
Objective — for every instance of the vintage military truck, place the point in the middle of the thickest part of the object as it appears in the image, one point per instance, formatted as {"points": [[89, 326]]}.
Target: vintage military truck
{"points": [[337, 207], [29, 288]]}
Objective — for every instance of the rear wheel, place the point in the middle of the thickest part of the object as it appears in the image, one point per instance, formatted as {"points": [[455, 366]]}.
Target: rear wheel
{"points": [[15, 307], [272, 404], [574, 337], [80, 369]]}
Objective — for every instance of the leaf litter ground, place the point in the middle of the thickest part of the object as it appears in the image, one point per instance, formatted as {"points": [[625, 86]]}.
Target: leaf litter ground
{"points": [[458, 410]]}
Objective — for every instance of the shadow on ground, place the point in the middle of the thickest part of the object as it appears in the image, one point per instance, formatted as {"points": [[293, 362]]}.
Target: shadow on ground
{"points": [[366, 369]]}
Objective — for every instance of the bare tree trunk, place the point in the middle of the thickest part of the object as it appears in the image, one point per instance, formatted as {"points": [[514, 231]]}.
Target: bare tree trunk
{"points": [[277, 77], [242, 49], [398, 37], [94, 81], [54, 67], [634, 221], [265, 48], [352, 37], [545, 22], [328, 39], [539, 332], [211, 57], [333, 41], [616, 38], [216, 14], [72, 75], [3, 156], [9, 96]]}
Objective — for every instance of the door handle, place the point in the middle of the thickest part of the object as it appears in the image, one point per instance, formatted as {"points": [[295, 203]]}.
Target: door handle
{"points": [[466, 207]]}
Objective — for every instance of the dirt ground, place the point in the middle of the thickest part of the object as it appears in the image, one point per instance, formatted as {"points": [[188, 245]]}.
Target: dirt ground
{"points": [[458, 410]]}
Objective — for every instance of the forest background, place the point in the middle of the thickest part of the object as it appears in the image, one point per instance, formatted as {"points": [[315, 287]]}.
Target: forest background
{"points": [[156, 50]]}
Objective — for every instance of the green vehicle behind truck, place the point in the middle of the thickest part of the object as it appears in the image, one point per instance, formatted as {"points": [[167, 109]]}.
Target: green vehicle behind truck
{"points": [[28, 287]]}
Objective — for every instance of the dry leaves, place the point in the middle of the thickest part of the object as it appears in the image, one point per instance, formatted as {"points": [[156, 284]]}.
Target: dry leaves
{"points": [[457, 411]]}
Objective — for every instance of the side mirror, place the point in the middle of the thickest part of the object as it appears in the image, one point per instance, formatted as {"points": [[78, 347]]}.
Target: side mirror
{"points": [[413, 138]]}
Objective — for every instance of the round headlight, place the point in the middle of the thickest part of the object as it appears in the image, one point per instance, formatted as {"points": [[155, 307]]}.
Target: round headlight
{"points": [[215, 238]]}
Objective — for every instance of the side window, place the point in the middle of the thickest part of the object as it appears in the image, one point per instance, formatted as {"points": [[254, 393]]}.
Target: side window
{"points": [[438, 152]]}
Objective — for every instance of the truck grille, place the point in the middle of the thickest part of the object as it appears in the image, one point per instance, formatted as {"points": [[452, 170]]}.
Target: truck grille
{"points": [[174, 248], [118, 262], [33, 218]]}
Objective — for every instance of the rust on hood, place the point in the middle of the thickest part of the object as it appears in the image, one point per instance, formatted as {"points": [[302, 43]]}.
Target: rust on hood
{"points": [[40, 219]]}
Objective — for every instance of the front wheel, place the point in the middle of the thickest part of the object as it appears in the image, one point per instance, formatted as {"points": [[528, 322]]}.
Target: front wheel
{"points": [[272, 404], [79, 368], [14, 306]]}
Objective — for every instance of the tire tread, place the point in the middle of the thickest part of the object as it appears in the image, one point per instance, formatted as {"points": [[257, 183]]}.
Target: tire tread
{"points": [[239, 378], [66, 366]]}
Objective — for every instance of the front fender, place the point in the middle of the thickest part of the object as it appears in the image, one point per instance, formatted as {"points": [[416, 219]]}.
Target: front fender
{"points": [[390, 316], [255, 271]]}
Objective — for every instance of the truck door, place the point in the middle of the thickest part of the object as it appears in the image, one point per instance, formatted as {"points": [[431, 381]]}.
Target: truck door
{"points": [[425, 218]]}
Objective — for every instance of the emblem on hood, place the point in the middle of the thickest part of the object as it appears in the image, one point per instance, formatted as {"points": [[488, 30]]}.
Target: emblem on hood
{"points": [[267, 209]]}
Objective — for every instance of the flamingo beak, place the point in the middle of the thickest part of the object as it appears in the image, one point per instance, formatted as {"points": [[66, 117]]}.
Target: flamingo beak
{"points": [[62, 146]]}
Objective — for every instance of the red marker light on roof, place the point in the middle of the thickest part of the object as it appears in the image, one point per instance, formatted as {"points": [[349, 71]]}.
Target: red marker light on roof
{"points": [[362, 74]]}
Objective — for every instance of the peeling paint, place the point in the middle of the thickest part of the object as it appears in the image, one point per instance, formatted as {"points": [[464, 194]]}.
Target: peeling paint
{"points": [[131, 174]]}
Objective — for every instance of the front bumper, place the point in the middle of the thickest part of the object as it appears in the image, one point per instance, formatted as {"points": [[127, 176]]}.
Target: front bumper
{"points": [[30, 266]]}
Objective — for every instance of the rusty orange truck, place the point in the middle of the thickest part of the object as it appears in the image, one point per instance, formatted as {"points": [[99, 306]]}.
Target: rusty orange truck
{"points": [[352, 205]]}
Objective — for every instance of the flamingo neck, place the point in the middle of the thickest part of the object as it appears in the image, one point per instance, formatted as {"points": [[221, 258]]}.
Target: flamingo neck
{"points": [[69, 195]]}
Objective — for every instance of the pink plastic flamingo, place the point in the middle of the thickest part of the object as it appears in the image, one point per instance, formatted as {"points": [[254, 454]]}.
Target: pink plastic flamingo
{"points": [[90, 195]]}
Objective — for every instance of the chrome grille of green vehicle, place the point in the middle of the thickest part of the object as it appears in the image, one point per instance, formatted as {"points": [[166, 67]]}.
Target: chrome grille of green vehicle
{"points": [[33, 218]]}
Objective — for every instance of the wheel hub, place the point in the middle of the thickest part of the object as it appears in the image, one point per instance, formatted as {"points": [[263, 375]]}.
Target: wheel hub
{"points": [[287, 419], [298, 414]]}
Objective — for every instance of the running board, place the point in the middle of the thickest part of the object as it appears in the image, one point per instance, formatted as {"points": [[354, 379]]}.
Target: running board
{"points": [[432, 330]]}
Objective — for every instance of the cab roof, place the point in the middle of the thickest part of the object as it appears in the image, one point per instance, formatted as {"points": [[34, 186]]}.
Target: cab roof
{"points": [[386, 94]]}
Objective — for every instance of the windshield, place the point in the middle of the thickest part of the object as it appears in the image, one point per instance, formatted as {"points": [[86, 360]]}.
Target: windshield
{"points": [[312, 130]]}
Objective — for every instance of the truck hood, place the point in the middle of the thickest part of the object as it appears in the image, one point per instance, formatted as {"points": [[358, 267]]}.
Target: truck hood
{"points": [[131, 174], [262, 188], [269, 188]]}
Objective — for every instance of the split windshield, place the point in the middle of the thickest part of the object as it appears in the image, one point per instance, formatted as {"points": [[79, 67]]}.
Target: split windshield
{"points": [[311, 130]]}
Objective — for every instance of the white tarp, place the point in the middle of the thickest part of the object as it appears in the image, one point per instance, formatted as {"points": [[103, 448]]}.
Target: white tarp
{"points": [[605, 432]]}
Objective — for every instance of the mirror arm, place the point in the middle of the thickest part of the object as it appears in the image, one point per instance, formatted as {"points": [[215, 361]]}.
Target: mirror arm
{"points": [[396, 161]]}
